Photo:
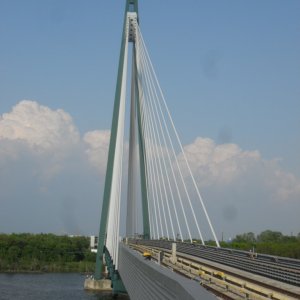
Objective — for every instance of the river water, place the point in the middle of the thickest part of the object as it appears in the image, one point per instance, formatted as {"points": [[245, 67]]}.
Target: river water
{"points": [[46, 286]]}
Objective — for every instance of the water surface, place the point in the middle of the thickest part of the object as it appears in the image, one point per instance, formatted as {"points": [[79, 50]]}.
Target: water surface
{"points": [[48, 286]]}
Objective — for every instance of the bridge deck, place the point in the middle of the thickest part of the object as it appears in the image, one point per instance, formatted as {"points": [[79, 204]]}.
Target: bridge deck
{"points": [[147, 280], [218, 276]]}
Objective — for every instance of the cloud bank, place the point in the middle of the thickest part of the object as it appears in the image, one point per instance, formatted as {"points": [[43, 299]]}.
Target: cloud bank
{"points": [[51, 178], [227, 164]]}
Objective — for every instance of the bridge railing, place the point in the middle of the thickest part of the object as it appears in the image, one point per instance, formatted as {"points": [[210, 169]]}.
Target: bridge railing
{"points": [[278, 268]]}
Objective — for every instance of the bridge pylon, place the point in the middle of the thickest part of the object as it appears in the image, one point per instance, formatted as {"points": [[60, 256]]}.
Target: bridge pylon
{"points": [[107, 254], [157, 165]]}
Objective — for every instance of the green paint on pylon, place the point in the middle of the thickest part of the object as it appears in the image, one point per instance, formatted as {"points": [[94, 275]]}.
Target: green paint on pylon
{"points": [[131, 6]]}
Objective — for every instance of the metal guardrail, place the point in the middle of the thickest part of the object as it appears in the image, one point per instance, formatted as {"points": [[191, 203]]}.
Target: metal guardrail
{"points": [[282, 269]]}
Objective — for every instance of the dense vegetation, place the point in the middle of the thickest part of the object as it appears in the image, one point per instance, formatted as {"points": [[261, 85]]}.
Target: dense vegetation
{"points": [[51, 253], [267, 242], [45, 253]]}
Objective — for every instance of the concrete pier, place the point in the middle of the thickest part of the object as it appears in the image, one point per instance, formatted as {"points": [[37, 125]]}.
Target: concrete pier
{"points": [[97, 285]]}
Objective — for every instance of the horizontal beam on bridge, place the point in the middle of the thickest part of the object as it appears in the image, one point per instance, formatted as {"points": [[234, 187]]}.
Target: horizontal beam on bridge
{"points": [[147, 280]]}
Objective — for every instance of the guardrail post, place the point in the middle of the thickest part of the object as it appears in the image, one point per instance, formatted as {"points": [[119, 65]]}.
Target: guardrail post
{"points": [[160, 256]]}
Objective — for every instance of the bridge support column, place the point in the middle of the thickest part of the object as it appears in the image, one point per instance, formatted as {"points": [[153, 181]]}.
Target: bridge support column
{"points": [[97, 285], [114, 285], [174, 257]]}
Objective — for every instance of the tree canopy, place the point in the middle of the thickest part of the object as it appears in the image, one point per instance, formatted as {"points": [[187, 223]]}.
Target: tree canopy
{"points": [[267, 242], [44, 252]]}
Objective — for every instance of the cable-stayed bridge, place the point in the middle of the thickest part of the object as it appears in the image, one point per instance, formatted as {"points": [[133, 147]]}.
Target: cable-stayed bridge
{"points": [[163, 193]]}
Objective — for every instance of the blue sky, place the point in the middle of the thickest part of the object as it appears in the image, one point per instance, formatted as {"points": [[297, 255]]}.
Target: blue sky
{"points": [[230, 70]]}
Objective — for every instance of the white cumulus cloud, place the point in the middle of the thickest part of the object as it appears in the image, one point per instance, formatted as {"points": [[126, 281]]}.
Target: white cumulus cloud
{"points": [[46, 179], [227, 164], [44, 161], [40, 127], [97, 143], [242, 190], [218, 164], [43, 135]]}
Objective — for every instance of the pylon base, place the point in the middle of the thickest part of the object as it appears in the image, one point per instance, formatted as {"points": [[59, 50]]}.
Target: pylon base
{"points": [[97, 285]]}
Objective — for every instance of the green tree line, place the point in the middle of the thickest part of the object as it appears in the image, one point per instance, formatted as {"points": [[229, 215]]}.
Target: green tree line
{"points": [[45, 253], [267, 242], [51, 253]]}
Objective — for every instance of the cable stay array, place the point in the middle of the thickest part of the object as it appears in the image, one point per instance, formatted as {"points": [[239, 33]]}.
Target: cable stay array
{"points": [[174, 200], [171, 202]]}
